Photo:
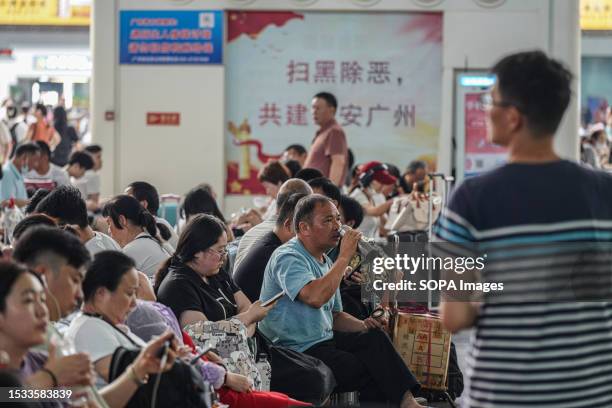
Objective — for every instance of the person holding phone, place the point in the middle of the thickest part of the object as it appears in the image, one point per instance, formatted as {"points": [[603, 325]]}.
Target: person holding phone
{"points": [[109, 290], [195, 286]]}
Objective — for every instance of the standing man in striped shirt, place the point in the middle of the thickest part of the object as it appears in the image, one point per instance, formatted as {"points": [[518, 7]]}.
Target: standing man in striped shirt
{"points": [[530, 348]]}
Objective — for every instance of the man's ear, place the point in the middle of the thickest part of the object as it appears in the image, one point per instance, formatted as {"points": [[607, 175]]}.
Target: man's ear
{"points": [[144, 204], [288, 224], [303, 228], [350, 223], [515, 119]]}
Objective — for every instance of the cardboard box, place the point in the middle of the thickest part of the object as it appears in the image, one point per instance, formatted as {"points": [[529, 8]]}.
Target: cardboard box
{"points": [[424, 344]]}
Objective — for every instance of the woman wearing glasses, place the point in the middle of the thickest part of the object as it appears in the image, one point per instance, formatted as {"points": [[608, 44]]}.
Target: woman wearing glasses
{"points": [[205, 300], [194, 284]]}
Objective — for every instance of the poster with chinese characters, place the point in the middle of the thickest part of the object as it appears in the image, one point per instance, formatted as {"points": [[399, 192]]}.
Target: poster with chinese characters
{"points": [[384, 68], [480, 154], [171, 37]]}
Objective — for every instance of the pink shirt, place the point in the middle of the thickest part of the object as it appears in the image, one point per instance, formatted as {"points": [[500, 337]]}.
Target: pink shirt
{"points": [[329, 140]]}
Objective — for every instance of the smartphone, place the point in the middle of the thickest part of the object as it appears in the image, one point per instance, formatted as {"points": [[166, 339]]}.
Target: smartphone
{"points": [[163, 349], [199, 356], [273, 299]]}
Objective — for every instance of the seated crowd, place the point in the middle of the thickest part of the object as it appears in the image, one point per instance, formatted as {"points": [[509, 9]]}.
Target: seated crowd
{"points": [[86, 283]]}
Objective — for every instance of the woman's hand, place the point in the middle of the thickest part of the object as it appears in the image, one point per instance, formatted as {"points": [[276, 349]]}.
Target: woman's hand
{"points": [[214, 358], [148, 363], [257, 312], [239, 383], [75, 369]]}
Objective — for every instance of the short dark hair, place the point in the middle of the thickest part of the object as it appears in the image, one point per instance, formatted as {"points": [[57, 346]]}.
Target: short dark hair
{"points": [[199, 200], [288, 208], [415, 165], [41, 107], [305, 208], [329, 98], [308, 173], [144, 191], [297, 147], [293, 166], [106, 271], [66, 204], [329, 189], [44, 148], [35, 199], [351, 209], [33, 220], [82, 159], [26, 148], [537, 86], [43, 240], [274, 172], [93, 148], [393, 170]]}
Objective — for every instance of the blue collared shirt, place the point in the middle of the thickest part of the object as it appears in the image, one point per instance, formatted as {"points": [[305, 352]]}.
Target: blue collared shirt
{"points": [[292, 323], [12, 185]]}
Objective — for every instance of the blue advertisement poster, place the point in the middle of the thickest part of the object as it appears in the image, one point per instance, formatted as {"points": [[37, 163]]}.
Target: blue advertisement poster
{"points": [[171, 37]]}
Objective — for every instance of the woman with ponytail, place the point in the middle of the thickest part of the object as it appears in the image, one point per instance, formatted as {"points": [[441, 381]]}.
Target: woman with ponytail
{"points": [[135, 230]]}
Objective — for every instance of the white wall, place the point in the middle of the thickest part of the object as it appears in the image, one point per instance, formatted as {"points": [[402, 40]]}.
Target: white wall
{"points": [[596, 45], [176, 159]]}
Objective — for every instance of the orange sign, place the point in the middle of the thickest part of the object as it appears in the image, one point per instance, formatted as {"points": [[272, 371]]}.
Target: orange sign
{"points": [[163, 118]]}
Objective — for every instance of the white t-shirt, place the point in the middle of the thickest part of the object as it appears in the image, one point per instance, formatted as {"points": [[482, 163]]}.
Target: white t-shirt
{"points": [[99, 339], [370, 224], [58, 175], [101, 242], [88, 184], [147, 253], [21, 130], [173, 241]]}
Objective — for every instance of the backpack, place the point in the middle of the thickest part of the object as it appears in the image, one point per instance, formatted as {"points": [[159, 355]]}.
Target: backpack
{"points": [[181, 386], [316, 380]]}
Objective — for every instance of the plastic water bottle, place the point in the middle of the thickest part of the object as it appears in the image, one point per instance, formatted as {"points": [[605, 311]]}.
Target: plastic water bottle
{"points": [[265, 371], [81, 396], [12, 216], [366, 245]]}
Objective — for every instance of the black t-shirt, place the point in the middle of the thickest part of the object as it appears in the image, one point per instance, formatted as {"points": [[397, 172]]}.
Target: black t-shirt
{"points": [[250, 273], [183, 289]]}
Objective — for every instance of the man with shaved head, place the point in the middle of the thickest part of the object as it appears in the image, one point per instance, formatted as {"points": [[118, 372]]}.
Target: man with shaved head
{"points": [[288, 188]]}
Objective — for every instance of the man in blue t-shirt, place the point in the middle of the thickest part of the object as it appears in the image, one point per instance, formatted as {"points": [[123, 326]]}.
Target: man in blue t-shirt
{"points": [[310, 319], [12, 185]]}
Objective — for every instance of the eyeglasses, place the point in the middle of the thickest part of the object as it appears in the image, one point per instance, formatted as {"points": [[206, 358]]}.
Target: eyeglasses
{"points": [[221, 253], [487, 101]]}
